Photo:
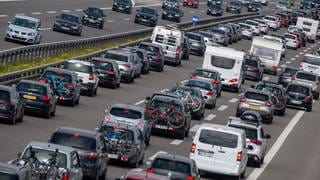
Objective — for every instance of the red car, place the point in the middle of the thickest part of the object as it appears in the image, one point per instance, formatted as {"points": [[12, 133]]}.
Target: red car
{"points": [[191, 3]]}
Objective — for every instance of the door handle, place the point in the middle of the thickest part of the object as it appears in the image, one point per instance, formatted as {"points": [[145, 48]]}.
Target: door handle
{"points": [[221, 151]]}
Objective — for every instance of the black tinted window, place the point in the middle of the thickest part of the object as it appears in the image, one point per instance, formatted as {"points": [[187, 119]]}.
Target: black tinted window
{"points": [[217, 138], [5, 96], [78, 67], [6, 176], [289, 71], [312, 60], [94, 12], [193, 37], [32, 88], [74, 140], [222, 62], [250, 133], [199, 84], [69, 17], [256, 96], [309, 77], [298, 89], [102, 65], [126, 113], [250, 62], [171, 165]]}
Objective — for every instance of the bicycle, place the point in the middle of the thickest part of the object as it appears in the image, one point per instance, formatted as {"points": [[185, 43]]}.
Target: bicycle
{"points": [[171, 116], [194, 105], [57, 85]]}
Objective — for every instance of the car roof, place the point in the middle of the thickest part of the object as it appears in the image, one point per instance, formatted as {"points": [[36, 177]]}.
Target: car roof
{"points": [[27, 17], [50, 146], [221, 128], [66, 71], [80, 62], [81, 132], [270, 83], [128, 106], [10, 168], [237, 121], [174, 157], [103, 60], [33, 82]]}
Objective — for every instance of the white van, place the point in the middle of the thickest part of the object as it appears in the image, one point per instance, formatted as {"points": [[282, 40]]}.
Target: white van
{"points": [[228, 62], [308, 26], [269, 53], [311, 63], [220, 149], [170, 38]]}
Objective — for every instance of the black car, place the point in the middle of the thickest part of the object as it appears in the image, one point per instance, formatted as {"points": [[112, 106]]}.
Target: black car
{"points": [[93, 17], [90, 146], [122, 5], [38, 97], [155, 55], [64, 83], [254, 68], [254, 7], [108, 72], [11, 105], [286, 75], [197, 44], [185, 48], [69, 23], [172, 14], [299, 96], [210, 2], [170, 3], [146, 15], [234, 6], [215, 10]]}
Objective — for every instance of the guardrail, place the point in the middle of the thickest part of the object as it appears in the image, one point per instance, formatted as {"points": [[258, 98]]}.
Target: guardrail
{"points": [[52, 49]]}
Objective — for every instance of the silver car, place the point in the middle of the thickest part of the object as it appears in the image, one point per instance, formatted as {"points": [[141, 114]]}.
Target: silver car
{"points": [[247, 30], [24, 29], [220, 36], [309, 79], [207, 89]]}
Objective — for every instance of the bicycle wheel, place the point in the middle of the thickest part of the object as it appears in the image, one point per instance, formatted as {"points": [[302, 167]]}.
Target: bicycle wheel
{"points": [[52, 173], [176, 120], [196, 104]]}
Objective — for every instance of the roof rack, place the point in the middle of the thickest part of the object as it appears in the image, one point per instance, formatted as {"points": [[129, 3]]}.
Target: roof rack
{"points": [[255, 123]]}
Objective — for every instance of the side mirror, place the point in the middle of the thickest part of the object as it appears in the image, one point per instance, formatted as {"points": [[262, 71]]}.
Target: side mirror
{"points": [[148, 98], [249, 147], [267, 136]]}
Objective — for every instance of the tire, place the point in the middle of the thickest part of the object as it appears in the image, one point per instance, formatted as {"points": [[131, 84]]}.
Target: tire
{"points": [[211, 106], [103, 175], [180, 134], [135, 20], [21, 117], [77, 101], [309, 108], [135, 164], [243, 173], [186, 134], [270, 120], [114, 85], [236, 89], [47, 115], [113, 8], [13, 119], [53, 113], [282, 112]]}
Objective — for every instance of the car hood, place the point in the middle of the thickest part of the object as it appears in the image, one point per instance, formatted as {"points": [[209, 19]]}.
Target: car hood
{"points": [[22, 29]]}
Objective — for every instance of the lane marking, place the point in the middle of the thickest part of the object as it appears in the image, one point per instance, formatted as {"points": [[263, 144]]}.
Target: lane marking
{"points": [[177, 142], [105, 8], [288, 62], [202, 11], [210, 117], [3, 15], [51, 12], [222, 108], [139, 102], [301, 53], [266, 78], [151, 158], [20, 14], [127, 19], [292, 59], [65, 10], [276, 146], [191, 12], [110, 21], [78, 10], [36, 13], [233, 100], [45, 28], [305, 50], [309, 48], [195, 128], [296, 56]]}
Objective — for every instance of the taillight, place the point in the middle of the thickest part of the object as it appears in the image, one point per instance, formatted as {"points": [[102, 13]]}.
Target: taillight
{"points": [[210, 40], [233, 80], [178, 50], [127, 65], [308, 97], [91, 77], [193, 148], [150, 170], [223, 37], [69, 86], [239, 156], [141, 123], [65, 176], [91, 155], [243, 99], [45, 98], [193, 77], [189, 178], [255, 141], [275, 67], [42, 80], [110, 72], [210, 93], [215, 81], [255, 69], [269, 104]]}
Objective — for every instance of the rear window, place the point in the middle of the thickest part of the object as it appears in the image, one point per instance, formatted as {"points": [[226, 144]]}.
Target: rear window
{"points": [[243, 26], [309, 77], [193, 37], [288, 36], [270, 18], [289, 71], [265, 53], [250, 133], [206, 74], [126, 113], [149, 48], [171, 165], [298, 89], [5, 96], [63, 77], [256, 96], [74, 140], [250, 62], [199, 84], [78, 67], [32, 88], [217, 138], [273, 89], [312, 60], [117, 57], [117, 133], [222, 62], [6, 176], [102, 65]]}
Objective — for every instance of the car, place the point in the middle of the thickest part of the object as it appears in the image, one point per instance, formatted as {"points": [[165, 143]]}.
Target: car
{"points": [[286, 75], [283, 5], [93, 17], [170, 3], [245, 2], [40, 153], [299, 38], [254, 68], [107, 71], [14, 172], [255, 137], [293, 16], [87, 73], [272, 21], [263, 25], [90, 146], [11, 105], [146, 15], [291, 41], [64, 83], [209, 2], [142, 175], [230, 32], [132, 115], [233, 6], [174, 166], [310, 62], [211, 75], [68, 23], [299, 96], [125, 143], [310, 79], [24, 29], [155, 55], [306, 4], [258, 100], [278, 91], [37, 97], [143, 56], [172, 14], [246, 31], [191, 3], [285, 21], [194, 99], [168, 114], [220, 149], [208, 89], [302, 37], [215, 10], [137, 60], [122, 5], [237, 30], [197, 44], [255, 26], [221, 36], [254, 7], [208, 37], [186, 48]]}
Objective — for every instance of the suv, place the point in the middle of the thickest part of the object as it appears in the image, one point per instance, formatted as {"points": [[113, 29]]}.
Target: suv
{"points": [[87, 73], [255, 137], [170, 3], [146, 15], [174, 166], [69, 23], [93, 16], [132, 115], [24, 29], [122, 5], [91, 148], [64, 83], [155, 55], [254, 68], [309, 79], [234, 6], [299, 96], [220, 149], [286, 75], [124, 142], [197, 44], [258, 100], [11, 105]]}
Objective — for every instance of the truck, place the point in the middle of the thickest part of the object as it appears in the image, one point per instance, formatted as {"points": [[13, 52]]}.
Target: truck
{"points": [[309, 26]]}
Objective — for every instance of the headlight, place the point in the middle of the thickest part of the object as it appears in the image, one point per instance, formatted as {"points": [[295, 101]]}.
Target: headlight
{"points": [[250, 6], [85, 16], [31, 34], [176, 15], [115, 4], [127, 6]]}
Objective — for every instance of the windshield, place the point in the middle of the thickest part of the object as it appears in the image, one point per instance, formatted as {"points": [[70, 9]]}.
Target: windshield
{"points": [[126, 113], [243, 26], [312, 60], [305, 76], [256, 96], [78, 67], [274, 90], [250, 133], [199, 84], [289, 36], [5, 96], [217, 138], [264, 52], [63, 77], [206, 74], [289, 71], [94, 12], [171, 165], [117, 57], [69, 17], [193, 37], [147, 11], [74, 140], [172, 9], [32, 88], [24, 23], [117, 133], [7, 176]]}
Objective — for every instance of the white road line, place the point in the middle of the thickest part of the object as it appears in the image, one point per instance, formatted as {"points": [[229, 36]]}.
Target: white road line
{"points": [[36, 13], [288, 62], [127, 19], [177, 142], [65, 10], [266, 78], [222, 108], [184, 81], [210, 117], [151, 158], [45, 28], [276, 146], [3, 15], [109, 21], [301, 53], [78, 10], [312, 46], [282, 65], [309, 48], [139, 102], [305, 50], [51, 12], [292, 59], [296, 56], [105, 8], [195, 128], [191, 12], [233, 100], [20, 14]]}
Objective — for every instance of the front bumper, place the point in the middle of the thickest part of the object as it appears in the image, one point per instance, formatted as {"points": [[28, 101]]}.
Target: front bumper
{"points": [[20, 38]]}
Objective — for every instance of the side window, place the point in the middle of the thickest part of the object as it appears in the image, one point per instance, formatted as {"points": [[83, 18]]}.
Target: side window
{"points": [[74, 160]]}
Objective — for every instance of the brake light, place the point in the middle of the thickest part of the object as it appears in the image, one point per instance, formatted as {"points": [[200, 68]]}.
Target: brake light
{"points": [[45, 98], [275, 67], [215, 81], [178, 50], [141, 123], [210, 40], [42, 80], [269, 104], [127, 65], [233, 80], [255, 141], [255, 69], [193, 148], [110, 72], [107, 118], [150, 170], [239, 156], [91, 76], [65, 176], [193, 77], [243, 99], [308, 97], [91, 155], [223, 37], [210, 93], [7, 104], [189, 178]]}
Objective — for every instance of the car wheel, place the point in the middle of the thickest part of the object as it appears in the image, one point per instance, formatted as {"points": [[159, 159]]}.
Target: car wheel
{"points": [[316, 96], [114, 85], [91, 94], [208, 13], [113, 8], [47, 115], [136, 163], [21, 116], [77, 101], [309, 108], [103, 175], [236, 89], [141, 160], [162, 17], [282, 112], [180, 134], [53, 113], [270, 120], [211, 106], [13, 119], [135, 20], [243, 173]]}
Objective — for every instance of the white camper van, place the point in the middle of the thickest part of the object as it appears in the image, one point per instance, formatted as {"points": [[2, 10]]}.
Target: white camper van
{"points": [[268, 51], [309, 26], [228, 62]]}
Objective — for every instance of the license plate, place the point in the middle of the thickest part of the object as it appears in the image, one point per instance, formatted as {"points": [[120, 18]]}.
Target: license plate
{"points": [[255, 107], [30, 97], [65, 28], [161, 127], [202, 153], [144, 20], [121, 8], [113, 156], [296, 102]]}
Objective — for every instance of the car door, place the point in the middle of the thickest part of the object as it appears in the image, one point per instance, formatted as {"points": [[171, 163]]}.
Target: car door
{"points": [[75, 168]]}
